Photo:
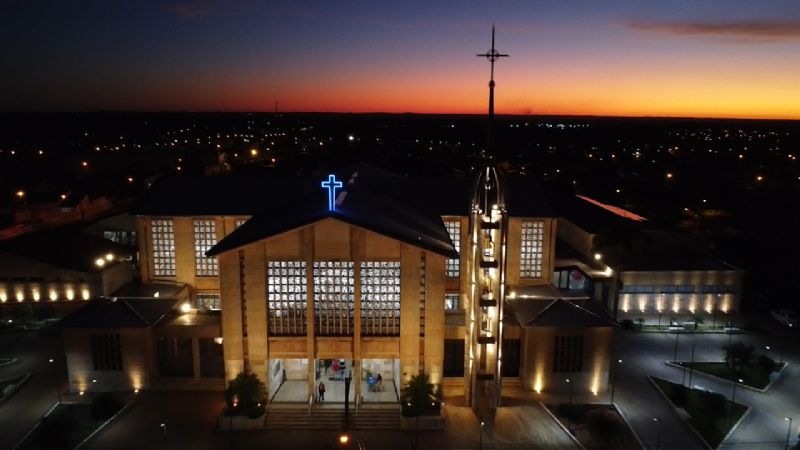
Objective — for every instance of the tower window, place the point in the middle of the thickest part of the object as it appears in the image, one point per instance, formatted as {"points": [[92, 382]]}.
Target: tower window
{"points": [[163, 247], [452, 265], [530, 261], [205, 236], [380, 298]]}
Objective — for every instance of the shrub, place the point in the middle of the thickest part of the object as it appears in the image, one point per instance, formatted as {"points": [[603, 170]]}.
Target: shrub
{"points": [[105, 405], [603, 425], [766, 363], [246, 395], [420, 397], [626, 324]]}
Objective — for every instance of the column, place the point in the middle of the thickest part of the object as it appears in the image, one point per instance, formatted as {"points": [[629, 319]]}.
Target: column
{"points": [[195, 358]]}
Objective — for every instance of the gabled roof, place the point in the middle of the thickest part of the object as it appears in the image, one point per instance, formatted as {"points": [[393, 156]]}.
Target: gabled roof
{"points": [[357, 204], [532, 312], [119, 313]]}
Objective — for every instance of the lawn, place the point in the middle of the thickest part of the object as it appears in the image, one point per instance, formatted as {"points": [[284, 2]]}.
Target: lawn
{"points": [[711, 414], [9, 382], [618, 436], [753, 374]]}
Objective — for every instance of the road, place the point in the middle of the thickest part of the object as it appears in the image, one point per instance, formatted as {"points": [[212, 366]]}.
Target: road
{"points": [[24, 409]]}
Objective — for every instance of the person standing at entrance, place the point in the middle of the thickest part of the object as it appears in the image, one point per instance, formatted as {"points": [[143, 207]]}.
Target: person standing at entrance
{"points": [[321, 390]]}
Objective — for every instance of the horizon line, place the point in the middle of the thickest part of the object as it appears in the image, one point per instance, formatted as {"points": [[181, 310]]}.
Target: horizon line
{"points": [[571, 116]]}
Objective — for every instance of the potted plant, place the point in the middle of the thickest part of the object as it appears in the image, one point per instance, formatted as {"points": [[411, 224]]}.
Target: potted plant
{"points": [[421, 404], [245, 400]]}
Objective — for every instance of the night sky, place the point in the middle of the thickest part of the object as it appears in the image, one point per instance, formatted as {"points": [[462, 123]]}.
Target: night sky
{"points": [[618, 57]]}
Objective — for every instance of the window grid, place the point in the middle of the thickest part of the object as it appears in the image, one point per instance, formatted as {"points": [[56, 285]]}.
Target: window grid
{"points": [[530, 264], [380, 298], [334, 298], [163, 247], [208, 301], [287, 299], [568, 354], [452, 265], [106, 352], [205, 237], [451, 302]]}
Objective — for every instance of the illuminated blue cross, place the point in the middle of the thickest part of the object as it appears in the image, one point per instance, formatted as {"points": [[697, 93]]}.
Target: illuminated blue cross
{"points": [[331, 185]]}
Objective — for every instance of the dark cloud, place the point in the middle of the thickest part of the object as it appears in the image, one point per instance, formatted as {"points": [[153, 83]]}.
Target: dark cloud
{"points": [[734, 31], [189, 10]]}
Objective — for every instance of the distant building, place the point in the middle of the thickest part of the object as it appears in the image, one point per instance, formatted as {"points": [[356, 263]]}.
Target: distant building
{"points": [[61, 266]]}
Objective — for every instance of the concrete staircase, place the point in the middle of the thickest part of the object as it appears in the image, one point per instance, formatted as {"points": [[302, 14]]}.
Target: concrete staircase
{"points": [[383, 418]]}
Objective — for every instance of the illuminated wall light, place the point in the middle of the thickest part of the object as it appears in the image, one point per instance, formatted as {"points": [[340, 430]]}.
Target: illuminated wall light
{"points": [[186, 307], [3, 296], [626, 302], [218, 340], [598, 256], [70, 293], [109, 256], [36, 295], [85, 294], [99, 262], [642, 301], [20, 295], [53, 294]]}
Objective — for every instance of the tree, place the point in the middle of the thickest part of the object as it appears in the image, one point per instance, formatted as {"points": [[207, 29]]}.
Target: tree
{"points": [[738, 354], [603, 425], [698, 320], [246, 394], [419, 396]]}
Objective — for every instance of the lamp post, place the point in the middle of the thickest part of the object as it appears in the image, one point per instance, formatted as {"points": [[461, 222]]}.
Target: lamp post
{"points": [[480, 435], [675, 354], [569, 417], [614, 379], [658, 432], [733, 401], [164, 433], [691, 363], [58, 388], [235, 403], [659, 320], [788, 432]]}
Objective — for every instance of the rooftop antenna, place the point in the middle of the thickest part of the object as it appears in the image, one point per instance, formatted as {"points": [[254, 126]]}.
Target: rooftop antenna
{"points": [[492, 55]]}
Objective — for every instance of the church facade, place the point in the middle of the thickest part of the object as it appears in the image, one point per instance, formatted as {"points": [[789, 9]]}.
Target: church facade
{"points": [[379, 275]]}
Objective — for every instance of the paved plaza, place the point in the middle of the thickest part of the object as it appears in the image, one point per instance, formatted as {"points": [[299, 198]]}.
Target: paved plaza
{"points": [[521, 423]]}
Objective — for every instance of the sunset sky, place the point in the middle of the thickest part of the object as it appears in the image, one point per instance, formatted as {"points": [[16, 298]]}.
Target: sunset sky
{"points": [[696, 58]]}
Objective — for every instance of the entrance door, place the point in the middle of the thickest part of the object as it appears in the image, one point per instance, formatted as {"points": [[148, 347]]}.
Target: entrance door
{"points": [[332, 373], [379, 380], [288, 380]]}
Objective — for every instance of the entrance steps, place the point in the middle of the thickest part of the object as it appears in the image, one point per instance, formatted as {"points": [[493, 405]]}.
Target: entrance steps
{"points": [[383, 418]]}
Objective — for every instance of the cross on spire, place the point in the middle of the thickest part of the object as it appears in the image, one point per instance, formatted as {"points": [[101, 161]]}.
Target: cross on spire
{"points": [[492, 55], [331, 185]]}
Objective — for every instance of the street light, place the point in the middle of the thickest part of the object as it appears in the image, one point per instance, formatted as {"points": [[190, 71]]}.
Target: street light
{"points": [[788, 432], [614, 379], [691, 363], [480, 435], [163, 426], [569, 417], [733, 401], [675, 354], [58, 388], [658, 432]]}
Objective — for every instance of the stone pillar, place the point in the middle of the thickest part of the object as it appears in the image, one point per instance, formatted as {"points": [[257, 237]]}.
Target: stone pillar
{"points": [[410, 258], [184, 250], [256, 298], [307, 245], [434, 317], [231, 313]]}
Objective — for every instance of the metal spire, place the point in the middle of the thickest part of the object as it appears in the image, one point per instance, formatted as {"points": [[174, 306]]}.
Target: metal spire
{"points": [[492, 55]]}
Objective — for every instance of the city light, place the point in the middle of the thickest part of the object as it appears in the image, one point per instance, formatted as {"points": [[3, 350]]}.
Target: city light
{"points": [[99, 262], [20, 193]]}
